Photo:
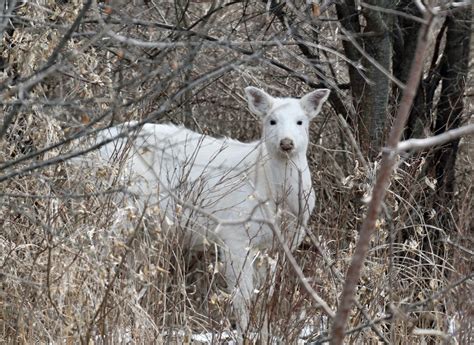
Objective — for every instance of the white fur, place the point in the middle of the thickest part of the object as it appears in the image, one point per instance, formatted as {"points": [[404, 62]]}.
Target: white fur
{"points": [[216, 182]]}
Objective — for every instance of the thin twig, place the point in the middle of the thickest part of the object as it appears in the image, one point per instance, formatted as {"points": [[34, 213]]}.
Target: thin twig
{"points": [[353, 141]]}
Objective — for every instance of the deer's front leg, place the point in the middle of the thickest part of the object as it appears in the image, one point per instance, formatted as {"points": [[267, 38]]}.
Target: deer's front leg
{"points": [[239, 276]]}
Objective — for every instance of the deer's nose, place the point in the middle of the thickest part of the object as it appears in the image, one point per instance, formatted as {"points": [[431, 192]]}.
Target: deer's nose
{"points": [[287, 145]]}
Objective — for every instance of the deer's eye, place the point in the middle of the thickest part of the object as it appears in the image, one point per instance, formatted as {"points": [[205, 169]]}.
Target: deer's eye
{"points": [[299, 123], [273, 122]]}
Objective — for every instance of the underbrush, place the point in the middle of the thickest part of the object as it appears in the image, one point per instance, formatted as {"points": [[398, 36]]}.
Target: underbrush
{"points": [[79, 264]]}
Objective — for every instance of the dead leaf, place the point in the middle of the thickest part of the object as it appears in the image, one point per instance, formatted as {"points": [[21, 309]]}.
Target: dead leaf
{"points": [[316, 10], [85, 119]]}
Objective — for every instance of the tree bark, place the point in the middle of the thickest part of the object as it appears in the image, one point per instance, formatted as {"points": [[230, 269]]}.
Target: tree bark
{"points": [[371, 98], [404, 46], [454, 70], [349, 19], [374, 105]]}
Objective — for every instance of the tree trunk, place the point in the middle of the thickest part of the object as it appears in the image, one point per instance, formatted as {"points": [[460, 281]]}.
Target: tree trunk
{"points": [[374, 106], [349, 18], [370, 99], [450, 107], [404, 45]]}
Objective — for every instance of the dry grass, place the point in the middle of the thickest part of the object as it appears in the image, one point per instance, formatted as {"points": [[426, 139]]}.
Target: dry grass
{"points": [[78, 266]]}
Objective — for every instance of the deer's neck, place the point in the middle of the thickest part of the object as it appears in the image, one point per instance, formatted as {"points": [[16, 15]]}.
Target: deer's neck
{"points": [[289, 175], [288, 182]]}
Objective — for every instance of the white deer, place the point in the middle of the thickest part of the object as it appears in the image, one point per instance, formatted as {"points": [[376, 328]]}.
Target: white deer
{"points": [[226, 191]]}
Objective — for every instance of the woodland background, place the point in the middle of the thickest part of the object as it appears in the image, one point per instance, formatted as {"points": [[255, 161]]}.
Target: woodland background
{"points": [[71, 271]]}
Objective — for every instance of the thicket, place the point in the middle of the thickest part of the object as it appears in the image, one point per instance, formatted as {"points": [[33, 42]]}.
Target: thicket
{"points": [[76, 265]]}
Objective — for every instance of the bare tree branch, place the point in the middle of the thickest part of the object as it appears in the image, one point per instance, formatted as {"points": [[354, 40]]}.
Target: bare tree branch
{"points": [[421, 144]]}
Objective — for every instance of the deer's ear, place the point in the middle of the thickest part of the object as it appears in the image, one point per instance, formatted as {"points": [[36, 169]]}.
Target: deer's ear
{"points": [[259, 101], [313, 101]]}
